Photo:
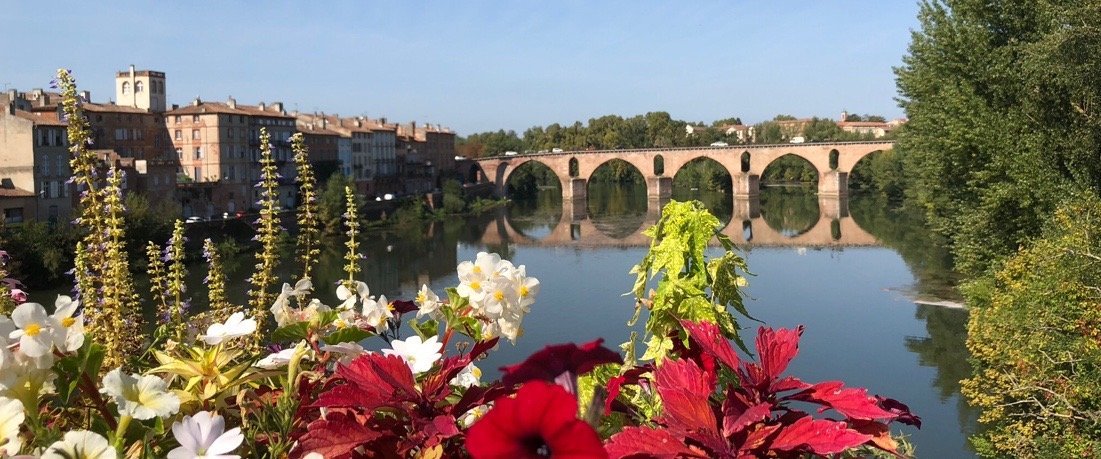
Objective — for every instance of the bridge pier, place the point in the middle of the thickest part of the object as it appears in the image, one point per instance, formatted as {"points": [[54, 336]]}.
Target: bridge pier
{"points": [[574, 189], [833, 183], [659, 187], [746, 208], [746, 186], [575, 210], [833, 207]]}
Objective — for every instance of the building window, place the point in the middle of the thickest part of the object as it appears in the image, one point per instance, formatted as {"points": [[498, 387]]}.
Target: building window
{"points": [[120, 134], [126, 87], [178, 119], [60, 165], [198, 153], [179, 134], [179, 153], [194, 134], [198, 173], [194, 118], [13, 215], [139, 87]]}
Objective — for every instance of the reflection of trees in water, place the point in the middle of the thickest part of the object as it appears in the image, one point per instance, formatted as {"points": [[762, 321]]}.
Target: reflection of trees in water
{"points": [[617, 210], [903, 229], [789, 210], [946, 350], [536, 216], [529, 178], [720, 204]]}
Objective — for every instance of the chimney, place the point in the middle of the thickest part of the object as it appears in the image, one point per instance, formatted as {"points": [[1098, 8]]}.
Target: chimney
{"points": [[231, 102], [844, 114], [324, 122], [175, 106], [277, 106], [86, 95], [359, 123], [11, 107], [382, 120], [196, 102], [132, 72], [262, 106]]}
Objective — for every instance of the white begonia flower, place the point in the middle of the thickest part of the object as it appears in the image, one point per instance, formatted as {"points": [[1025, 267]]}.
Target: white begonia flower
{"points": [[11, 417], [81, 444], [347, 351], [526, 287], [427, 302], [348, 298], [235, 326], [419, 355], [469, 376], [473, 415], [276, 359], [377, 312], [36, 332], [70, 332], [140, 397], [280, 310], [204, 436], [26, 378]]}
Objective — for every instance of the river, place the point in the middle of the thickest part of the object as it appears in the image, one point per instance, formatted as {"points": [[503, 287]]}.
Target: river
{"points": [[854, 287]]}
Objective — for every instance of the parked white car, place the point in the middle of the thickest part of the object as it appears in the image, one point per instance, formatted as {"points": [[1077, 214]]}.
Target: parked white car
{"points": [[719, 144], [556, 150], [510, 153]]}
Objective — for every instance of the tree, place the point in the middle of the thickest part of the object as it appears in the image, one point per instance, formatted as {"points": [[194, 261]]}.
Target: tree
{"points": [[1004, 118], [330, 206]]}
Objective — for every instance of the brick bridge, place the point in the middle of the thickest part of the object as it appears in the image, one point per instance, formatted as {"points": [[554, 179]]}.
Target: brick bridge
{"points": [[746, 163], [834, 228]]}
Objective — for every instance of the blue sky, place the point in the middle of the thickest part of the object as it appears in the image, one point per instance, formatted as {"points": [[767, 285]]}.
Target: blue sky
{"points": [[481, 65]]}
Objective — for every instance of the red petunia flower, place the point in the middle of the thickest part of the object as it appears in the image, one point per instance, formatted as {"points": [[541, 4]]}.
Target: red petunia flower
{"points": [[541, 421], [560, 363]]}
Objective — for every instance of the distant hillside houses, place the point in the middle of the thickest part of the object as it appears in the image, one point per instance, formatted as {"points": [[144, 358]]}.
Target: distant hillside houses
{"points": [[794, 128]]}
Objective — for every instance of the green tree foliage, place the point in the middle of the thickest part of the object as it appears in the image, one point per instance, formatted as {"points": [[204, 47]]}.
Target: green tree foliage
{"points": [[525, 181], [703, 174], [330, 206], [1034, 336], [489, 144], [882, 173], [453, 202], [617, 171], [1005, 117], [789, 169]]}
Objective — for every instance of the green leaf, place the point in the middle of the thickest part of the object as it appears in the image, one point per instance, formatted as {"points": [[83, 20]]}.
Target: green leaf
{"points": [[293, 332], [425, 329], [347, 335]]}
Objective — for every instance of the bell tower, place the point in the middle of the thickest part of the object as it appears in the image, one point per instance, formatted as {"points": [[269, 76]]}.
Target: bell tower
{"points": [[141, 89]]}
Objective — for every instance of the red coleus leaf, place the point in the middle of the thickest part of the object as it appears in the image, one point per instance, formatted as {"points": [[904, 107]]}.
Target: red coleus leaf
{"points": [[776, 348], [881, 435], [334, 437], [436, 385], [900, 410], [851, 402], [649, 443], [402, 306], [552, 362], [736, 420], [708, 336], [632, 376], [818, 436], [540, 421], [370, 381], [685, 391]]}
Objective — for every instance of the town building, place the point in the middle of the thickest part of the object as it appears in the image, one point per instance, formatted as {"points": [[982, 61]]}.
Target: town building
{"points": [[218, 146], [874, 129], [34, 164]]}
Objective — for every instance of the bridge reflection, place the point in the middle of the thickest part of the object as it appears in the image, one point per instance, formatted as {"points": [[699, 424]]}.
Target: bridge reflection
{"points": [[834, 228]]}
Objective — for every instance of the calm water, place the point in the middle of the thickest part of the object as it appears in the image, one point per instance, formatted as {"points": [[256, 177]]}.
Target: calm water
{"points": [[862, 325]]}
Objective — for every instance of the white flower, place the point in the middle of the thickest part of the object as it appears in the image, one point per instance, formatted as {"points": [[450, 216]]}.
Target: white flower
{"points": [[204, 436], [349, 298], [277, 359], [346, 351], [80, 444], [23, 377], [527, 288], [140, 397], [235, 326], [36, 332], [468, 377], [427, 301], [473, 415], [280, 310], [11, 417], [70, 332], [419, 355], [377, 313]]}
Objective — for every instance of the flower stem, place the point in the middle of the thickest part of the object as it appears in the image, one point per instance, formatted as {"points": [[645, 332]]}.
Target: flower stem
{"points": [[120, 432]]}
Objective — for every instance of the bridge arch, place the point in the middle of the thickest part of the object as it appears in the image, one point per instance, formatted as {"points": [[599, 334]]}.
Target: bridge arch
{"points": [[506, 170], [783, 159]]}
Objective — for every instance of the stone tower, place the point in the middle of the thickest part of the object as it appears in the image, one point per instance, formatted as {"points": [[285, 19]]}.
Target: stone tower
{"points": [[141, 89]]}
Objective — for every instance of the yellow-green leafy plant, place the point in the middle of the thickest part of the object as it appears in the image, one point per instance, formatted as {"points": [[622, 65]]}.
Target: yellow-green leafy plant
{"points": [[219, 306], [307, 247], [352, 256], [176, 283], [263, 279], [120, 309]]}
